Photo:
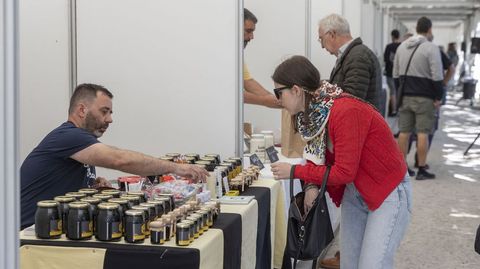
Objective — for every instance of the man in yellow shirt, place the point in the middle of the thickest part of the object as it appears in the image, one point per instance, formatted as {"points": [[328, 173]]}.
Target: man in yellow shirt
{"points": [[253, 92]]}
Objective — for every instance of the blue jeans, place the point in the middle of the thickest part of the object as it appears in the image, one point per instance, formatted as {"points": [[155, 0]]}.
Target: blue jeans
{"points": [[369, 239]]}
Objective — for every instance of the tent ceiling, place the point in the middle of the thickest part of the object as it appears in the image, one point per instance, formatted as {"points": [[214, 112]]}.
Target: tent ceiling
{"points": [[453, 11]]}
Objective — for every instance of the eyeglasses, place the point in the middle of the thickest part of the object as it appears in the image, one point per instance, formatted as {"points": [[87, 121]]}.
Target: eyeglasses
{"points": [[320, 38], [278, 91]]}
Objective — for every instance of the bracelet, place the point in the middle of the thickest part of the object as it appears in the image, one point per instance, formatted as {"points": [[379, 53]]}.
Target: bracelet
{"points": [[292, 172]]}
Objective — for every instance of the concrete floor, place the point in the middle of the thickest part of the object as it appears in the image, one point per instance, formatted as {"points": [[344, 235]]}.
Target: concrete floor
{"points": [[446, 210]]}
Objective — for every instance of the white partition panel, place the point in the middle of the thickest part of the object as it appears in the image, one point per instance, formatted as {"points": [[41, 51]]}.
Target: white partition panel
{"points": [[173, 67], [43, 69], [321, 58], [280, 33], [352, 12]]}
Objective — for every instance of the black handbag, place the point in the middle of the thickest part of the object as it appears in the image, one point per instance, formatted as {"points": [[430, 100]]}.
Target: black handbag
{"points": [[308, 235]]}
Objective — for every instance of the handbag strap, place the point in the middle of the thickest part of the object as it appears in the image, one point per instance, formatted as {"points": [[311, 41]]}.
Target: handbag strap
{"points": [[400, 89], [410, 60]]}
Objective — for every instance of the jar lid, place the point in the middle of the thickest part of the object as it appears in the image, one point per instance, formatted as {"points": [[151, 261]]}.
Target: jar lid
{"points": [[133, 212], [156, 224], [64, 199], [138, 193], [110, 191], [91, 200], [184, 225], [78, 204], [212, 155], [172, 154], [203, 162], [102, 196], [108, 206], [88, 191], [47, 203], [155, 202], [170, 159], [192, 155], [118, 201], [137, 207], [149, 205], [75, 194], [161, 199], [187, 222], [166, 194], [130, 197]]}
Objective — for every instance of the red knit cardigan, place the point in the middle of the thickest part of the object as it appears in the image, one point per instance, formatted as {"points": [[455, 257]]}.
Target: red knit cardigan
{"points": [[364, 152]]}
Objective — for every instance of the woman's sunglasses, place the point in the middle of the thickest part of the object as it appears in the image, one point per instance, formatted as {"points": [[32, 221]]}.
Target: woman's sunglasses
{"points": [[278, 91]]}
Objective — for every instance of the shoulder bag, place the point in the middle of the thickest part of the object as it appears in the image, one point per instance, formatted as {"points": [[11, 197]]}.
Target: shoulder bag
{"points": [[308, 235]]}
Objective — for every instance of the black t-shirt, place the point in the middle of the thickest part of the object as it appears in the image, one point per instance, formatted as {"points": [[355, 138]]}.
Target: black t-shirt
{"points": [[389, 56], [48, 171], [445, 61]]}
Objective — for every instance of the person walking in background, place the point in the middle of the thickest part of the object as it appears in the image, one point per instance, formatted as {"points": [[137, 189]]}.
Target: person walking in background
{"points": [[254, 93], [388, 57], [348, 134], [421, 91]]}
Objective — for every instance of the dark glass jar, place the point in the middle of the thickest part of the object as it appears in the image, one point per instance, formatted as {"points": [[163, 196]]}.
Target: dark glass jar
{"points": [[88, 191], [207, 214], [167, 220], [141, 194], [123, 203], [196, 227], [159, 208], [171, 197], [182, 237], [48, 222], [230, 169], [152, 212], [109, 222], [63, 202], [112, 192], [76, 195], [212, 160], [193, 155], [80, 226], [103, 197], [134, 226], [92, 209], [157, 232], [192, 228], [213, 155], [209, 166], [146, 216], [166, 203], [133, 200]]}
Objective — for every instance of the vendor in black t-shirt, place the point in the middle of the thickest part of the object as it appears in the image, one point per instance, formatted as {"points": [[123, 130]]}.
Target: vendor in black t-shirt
{"points": [[65, 159]]}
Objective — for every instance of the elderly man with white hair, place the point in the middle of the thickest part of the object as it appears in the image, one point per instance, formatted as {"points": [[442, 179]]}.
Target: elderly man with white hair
{"points": [[357, 70]]}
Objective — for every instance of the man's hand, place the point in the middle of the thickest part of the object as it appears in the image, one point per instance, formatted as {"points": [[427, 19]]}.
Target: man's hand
{"points": [[191, 171], [281, 170], [437, 103], [102, 182]]}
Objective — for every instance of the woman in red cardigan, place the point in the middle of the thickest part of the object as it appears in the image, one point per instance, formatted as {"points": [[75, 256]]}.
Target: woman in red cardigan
{"points": [[368, 173]]}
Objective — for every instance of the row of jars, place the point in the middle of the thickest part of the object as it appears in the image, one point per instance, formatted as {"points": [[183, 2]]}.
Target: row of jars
{"points": [[102, 215], [209, 161], [81, 217]]}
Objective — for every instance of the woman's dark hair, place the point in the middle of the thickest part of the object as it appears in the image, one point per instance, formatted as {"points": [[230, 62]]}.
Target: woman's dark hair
{"points": [[298, 70]]}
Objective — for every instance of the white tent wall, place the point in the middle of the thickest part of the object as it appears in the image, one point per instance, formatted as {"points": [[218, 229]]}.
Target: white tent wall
{"points": [[43, 69], [174, 72], [280, 33]]}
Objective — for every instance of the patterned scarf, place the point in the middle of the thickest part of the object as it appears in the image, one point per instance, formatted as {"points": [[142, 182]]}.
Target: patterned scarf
{"points": [[314, 132]]}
